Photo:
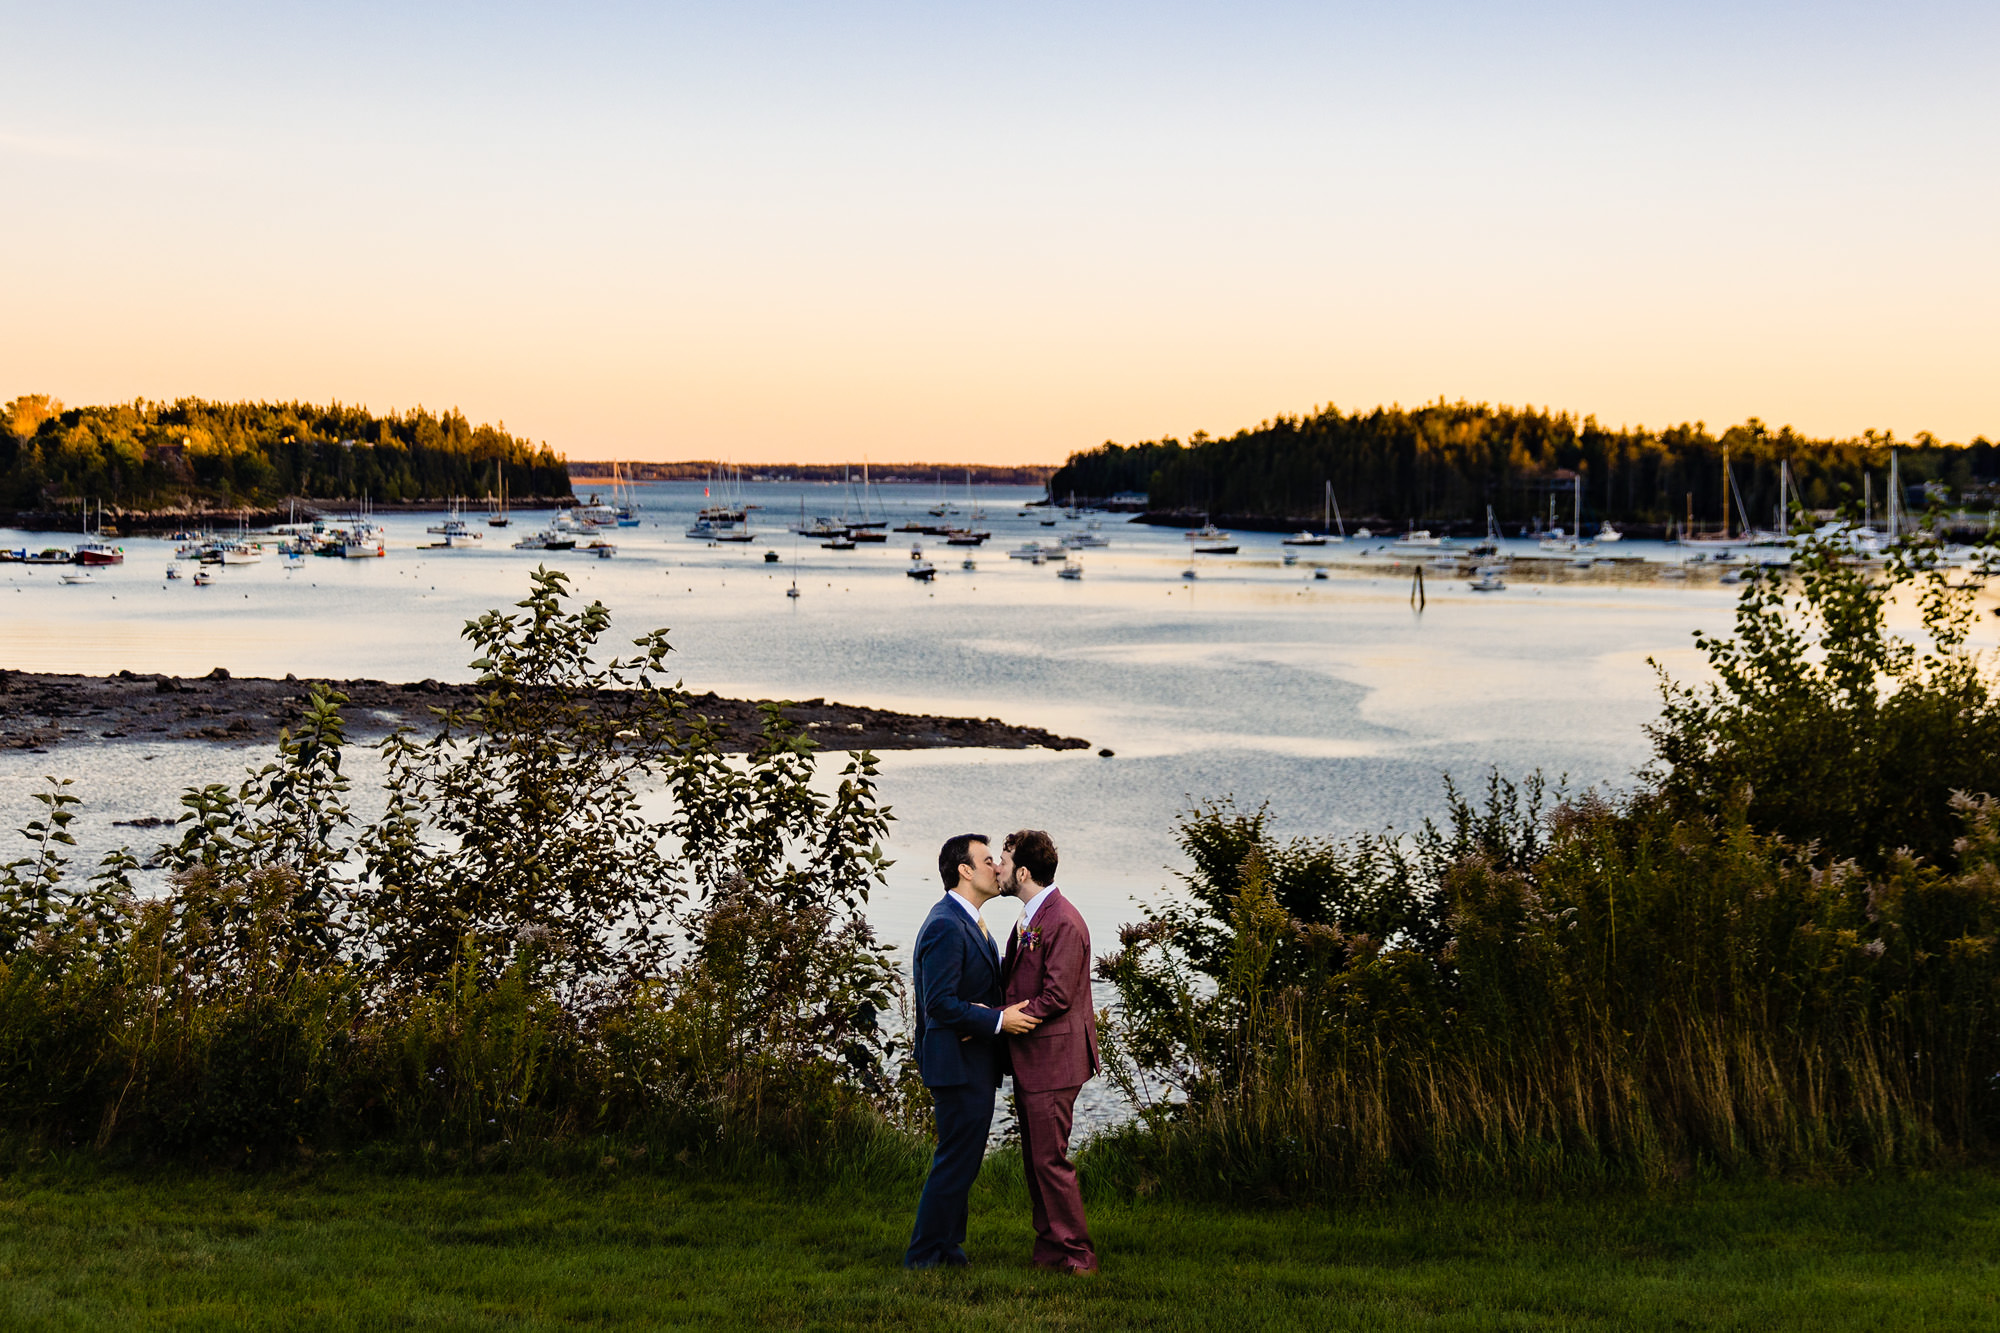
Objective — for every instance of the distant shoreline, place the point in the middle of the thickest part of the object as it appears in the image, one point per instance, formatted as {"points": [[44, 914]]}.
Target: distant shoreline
{"points": [[39, 711], [907, 474], [153, 522]]}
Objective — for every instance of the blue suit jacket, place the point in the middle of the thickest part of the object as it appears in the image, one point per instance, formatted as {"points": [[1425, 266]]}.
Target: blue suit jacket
{"points": [[957, 976]]}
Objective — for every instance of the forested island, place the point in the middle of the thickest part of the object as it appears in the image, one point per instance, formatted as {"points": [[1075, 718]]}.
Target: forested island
{"points": [[1446, 462], [194, 456]]}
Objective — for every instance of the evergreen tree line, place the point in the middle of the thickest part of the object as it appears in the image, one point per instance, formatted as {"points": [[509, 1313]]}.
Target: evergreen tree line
{"points": [[192, 453], [1448, 461]]}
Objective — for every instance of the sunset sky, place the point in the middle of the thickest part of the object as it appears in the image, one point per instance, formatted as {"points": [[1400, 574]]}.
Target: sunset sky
{"points": [[987, 232]]}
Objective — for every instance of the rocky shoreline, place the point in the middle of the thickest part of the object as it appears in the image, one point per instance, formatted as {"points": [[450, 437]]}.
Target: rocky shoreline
{"points": [[39, 711]]}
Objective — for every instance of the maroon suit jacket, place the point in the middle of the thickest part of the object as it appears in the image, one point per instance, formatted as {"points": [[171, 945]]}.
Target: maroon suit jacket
{"points": [[1051, 972]]}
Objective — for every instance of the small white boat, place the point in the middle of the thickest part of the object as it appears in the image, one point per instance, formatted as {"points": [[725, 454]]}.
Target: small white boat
{"points": [[202, 578], [922, 570], [1207, 532], [1319, 573], [1070, 570], [968, 563], [173, 571], [548, 539], [1291, 557], [1607, 533], [74, 579], [602, 550], [1491, 578]]}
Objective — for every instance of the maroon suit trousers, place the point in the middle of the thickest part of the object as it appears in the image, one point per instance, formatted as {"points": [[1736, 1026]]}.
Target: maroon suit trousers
{"points": [[1062, 1238]]}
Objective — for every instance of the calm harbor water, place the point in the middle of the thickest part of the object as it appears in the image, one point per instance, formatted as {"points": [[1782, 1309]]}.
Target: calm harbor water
{"points": [[1332, 702]]}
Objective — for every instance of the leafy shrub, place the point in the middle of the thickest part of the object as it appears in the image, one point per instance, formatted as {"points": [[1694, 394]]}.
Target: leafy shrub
{"points": [[517, 955], [1780, 954]]}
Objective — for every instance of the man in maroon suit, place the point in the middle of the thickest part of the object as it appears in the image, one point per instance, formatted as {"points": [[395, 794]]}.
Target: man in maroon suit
{"points": [[1047, 971]]}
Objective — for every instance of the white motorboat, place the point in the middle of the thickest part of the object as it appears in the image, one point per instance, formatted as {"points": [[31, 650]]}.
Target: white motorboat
{"points": [[548, 539], [1070, 570], [922, 570], [1490, 578]]}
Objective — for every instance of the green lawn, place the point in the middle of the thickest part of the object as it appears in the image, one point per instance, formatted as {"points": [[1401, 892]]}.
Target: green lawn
{"points": [[345, 1249]]}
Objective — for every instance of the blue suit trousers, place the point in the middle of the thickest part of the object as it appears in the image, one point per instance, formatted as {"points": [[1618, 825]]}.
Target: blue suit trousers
{"points": [[964, 1118]]}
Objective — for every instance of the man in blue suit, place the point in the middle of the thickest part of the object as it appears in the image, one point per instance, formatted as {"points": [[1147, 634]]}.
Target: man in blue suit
{"points": [[960, 1026]]}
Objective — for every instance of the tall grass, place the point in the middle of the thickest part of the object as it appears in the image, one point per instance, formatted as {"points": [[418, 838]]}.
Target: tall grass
{"points": [[1653, 997]]}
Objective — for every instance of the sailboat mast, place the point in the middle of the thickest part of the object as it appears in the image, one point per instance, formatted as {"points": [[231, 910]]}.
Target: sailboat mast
{"points": [[1895, 505], [1725, 492], [1577, 517]]}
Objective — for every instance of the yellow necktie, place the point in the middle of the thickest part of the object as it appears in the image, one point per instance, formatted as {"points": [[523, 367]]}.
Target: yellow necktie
{"points": [[982, 928]]}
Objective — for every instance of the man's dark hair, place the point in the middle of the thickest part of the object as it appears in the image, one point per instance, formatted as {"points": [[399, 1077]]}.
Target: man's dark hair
{"points": [[956, 852], [1035, 852]]}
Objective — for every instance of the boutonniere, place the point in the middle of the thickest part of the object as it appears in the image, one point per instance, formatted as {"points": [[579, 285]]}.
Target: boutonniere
{"points": [[1031, 937]]}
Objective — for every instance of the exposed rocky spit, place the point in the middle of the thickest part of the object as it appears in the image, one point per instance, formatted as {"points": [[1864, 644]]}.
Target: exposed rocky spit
{"points": [[39, 711]]}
